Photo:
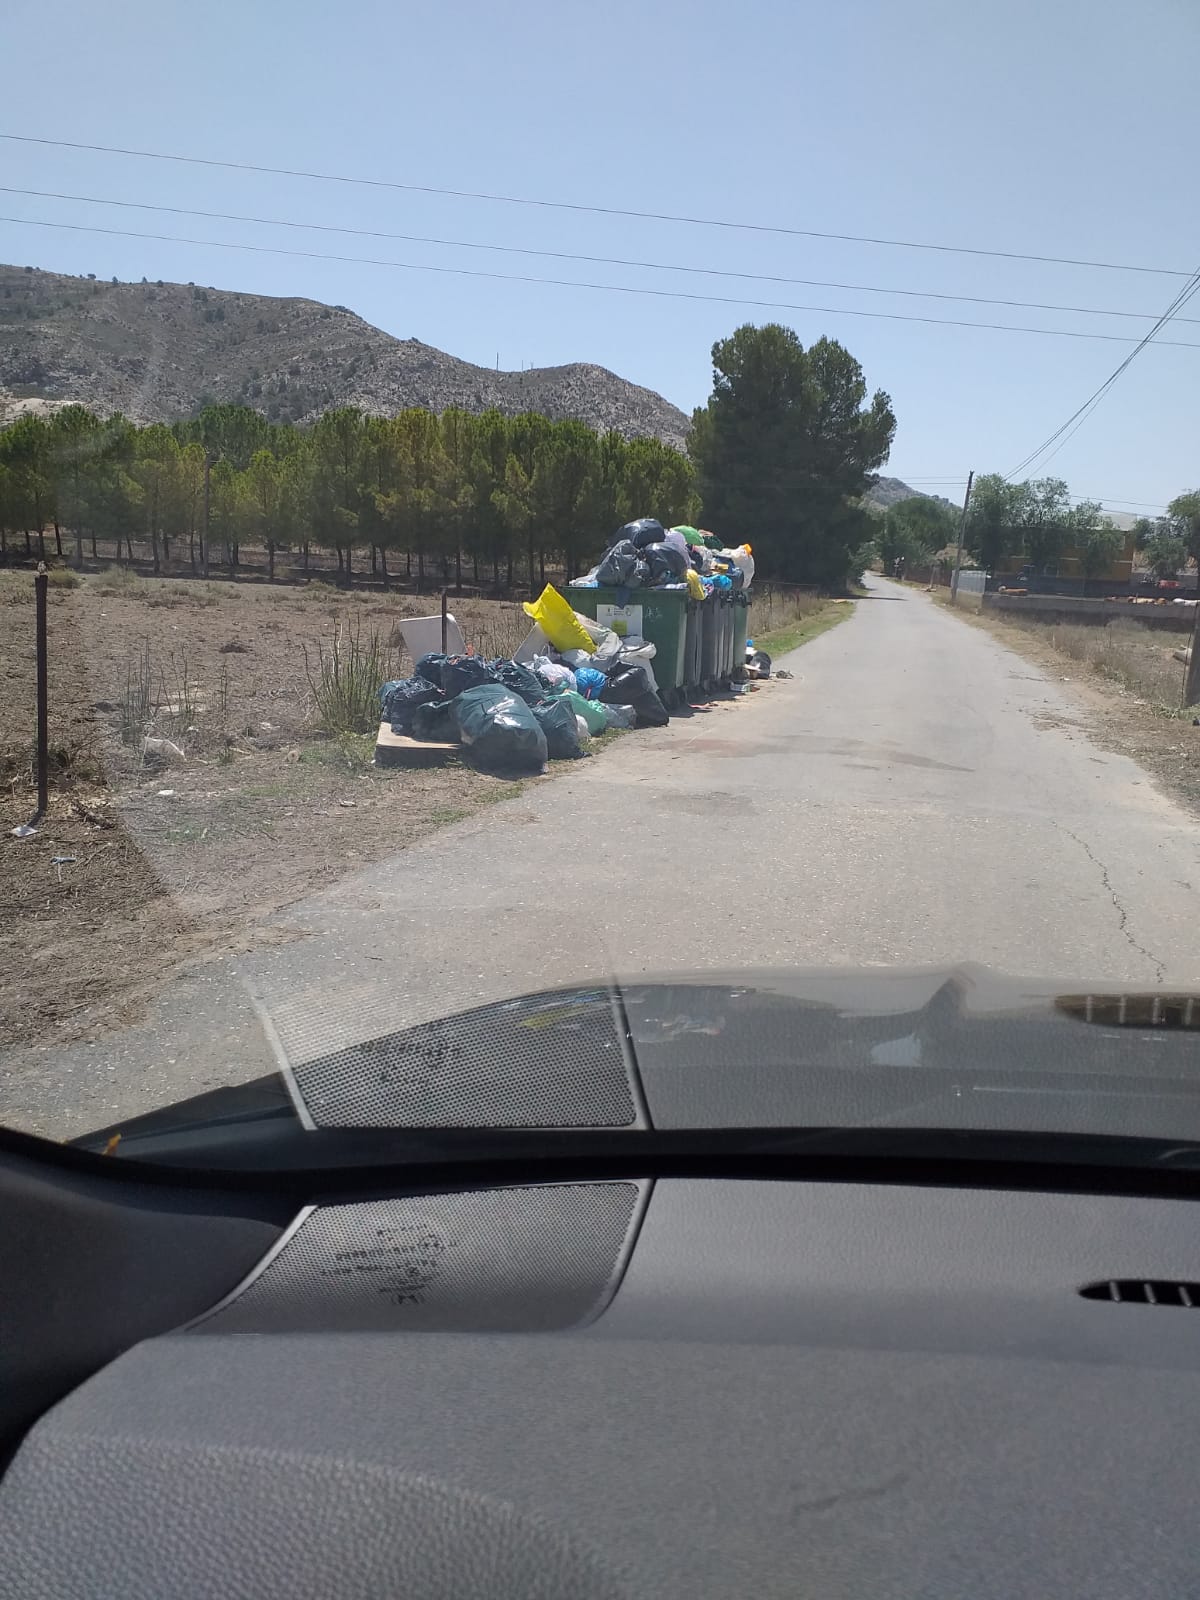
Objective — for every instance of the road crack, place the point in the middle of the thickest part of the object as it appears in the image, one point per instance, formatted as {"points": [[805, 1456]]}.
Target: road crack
{"points": [[1122, 914]]}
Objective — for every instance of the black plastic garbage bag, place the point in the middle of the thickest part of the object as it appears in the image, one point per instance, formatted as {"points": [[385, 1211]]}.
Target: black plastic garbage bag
{"points": [[556, 718], [667, 563], [645, 531], [499, 729], [519, 679], [617, 568], [453, 674], [434, 722], [650, 711], [401, 699], [627, 684]]}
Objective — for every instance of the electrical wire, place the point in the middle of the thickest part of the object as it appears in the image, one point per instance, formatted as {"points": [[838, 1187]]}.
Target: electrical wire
{"points": [[577, 206], [569, 283], [607, 261], [1079, 417]]}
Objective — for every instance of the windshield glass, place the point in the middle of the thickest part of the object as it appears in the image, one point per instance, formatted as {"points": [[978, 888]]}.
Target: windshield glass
{"points": [[501, 632]]}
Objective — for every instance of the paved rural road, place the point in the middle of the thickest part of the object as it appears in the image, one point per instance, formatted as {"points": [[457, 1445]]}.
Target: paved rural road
{"points": [[918, 795]]}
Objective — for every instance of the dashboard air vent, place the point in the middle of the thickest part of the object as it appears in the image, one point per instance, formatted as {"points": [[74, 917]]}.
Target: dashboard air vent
{"points": [[1144, 1292]]}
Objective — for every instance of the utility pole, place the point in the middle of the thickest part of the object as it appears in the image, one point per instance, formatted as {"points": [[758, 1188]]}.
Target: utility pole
{"points": [[1191, 681], [962, 528]]}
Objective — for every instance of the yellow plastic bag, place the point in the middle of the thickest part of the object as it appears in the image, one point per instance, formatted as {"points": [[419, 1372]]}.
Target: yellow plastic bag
{"points": [[695, 588], [558, 622]]}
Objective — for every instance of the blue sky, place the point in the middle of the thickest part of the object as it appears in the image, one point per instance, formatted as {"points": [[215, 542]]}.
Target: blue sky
{"points": [[1061, 128]]}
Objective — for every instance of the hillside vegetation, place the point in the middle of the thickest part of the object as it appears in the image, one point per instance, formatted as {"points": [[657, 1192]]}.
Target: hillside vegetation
{"points": [[158, 352]]}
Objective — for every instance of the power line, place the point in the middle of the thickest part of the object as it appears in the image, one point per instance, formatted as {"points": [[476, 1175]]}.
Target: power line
{"points": [[608, 261], [570, 283], [593, 210], [1103, 499], [1079, 417]]}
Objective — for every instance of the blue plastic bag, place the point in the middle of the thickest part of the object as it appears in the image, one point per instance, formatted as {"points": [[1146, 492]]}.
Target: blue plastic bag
{"points": [[590, 682]]}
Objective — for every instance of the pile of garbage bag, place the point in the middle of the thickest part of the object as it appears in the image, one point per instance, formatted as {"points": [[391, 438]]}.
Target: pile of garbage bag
{"points": [[512, 716], [645, 555]]}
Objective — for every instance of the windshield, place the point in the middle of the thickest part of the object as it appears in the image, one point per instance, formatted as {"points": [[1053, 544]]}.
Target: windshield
{"points": [[520, 615]]}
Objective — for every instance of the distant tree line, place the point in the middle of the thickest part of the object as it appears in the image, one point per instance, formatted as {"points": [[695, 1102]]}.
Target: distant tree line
{"points": [[433, 494], [1036, 521]]}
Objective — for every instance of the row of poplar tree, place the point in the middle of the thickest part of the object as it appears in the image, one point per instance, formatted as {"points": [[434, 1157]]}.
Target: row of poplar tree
{"points": [[438, 494]]}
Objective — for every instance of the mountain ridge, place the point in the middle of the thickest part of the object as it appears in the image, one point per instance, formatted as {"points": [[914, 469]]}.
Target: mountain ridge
{"points": [[159, 351]]}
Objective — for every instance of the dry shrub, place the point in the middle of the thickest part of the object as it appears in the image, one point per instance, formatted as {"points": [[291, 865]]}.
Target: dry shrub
{"points": [[1140, 659]]}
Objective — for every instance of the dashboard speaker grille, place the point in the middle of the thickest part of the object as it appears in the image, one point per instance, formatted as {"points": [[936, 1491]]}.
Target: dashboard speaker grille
{"points": [[1144, 1292], [528, 1259], [553, 1060]]}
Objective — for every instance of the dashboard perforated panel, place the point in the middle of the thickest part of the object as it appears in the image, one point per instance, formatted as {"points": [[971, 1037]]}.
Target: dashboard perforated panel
{"points": [[488, 1259], [554, 1060]]}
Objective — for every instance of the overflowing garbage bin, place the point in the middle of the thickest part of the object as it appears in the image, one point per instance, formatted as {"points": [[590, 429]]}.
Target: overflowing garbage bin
{"points": [[681, 590], [741, 628], [692, 649], [659, 616]]}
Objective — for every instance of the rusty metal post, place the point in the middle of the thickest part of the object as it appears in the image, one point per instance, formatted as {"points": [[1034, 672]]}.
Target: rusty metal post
{"points": [[444, 621], [41, 585]]}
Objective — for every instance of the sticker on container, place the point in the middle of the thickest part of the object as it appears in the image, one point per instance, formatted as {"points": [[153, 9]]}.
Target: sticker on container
{"points": [[623, 620]]}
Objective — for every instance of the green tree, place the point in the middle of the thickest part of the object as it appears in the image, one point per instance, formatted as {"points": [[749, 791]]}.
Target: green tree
{"points": [[269, 513], [602, 503], [155, 468], [25, 451], [489, 460], [514, 501], [338, 441], [563, 463], [1166, 554], [994, 518], [1098, 547], [1184, 516], [114, 495], [915, 529], [784, 448], [187, 497], [233, 433], [456, 489], [75, 446], [657, 482]]}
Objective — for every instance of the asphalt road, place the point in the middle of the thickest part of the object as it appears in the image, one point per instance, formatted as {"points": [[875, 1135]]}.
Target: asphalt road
{"points": [[917, 795]]}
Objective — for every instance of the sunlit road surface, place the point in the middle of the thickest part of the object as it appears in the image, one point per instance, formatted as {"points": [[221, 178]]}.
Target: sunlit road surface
{"points": [[918, 795]]}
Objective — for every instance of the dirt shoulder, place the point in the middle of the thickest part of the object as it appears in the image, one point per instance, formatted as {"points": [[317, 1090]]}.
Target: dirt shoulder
{"points": [[1162, 740], [145, 861]]}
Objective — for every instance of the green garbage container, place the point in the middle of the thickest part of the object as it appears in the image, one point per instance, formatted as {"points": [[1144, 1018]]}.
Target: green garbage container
{"points": [[727, 610], [693, 640], [710, 631], [659, 615], [741, 627]]}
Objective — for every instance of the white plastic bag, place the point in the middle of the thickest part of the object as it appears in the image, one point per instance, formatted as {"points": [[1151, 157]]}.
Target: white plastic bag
{"points": [[553, 673], [582, 729], [637, 649], [620, 716]]}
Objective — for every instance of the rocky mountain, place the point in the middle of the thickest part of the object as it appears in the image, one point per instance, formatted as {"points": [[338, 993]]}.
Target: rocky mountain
{"points": [[886, 492], [159, 351]]}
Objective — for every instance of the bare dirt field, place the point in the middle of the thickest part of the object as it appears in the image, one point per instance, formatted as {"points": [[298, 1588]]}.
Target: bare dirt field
{"points": [[149, 858], [243, 802]]}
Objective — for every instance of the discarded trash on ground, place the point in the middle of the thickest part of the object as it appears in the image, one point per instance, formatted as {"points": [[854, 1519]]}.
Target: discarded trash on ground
{"points": [[576, 675]]}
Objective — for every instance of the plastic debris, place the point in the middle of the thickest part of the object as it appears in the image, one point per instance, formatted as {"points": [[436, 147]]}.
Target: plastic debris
{"points": [[500, 730]]}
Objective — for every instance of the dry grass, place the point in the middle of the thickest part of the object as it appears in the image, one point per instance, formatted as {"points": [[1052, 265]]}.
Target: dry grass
{"points": [[1137, 658], [774, 608]]}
